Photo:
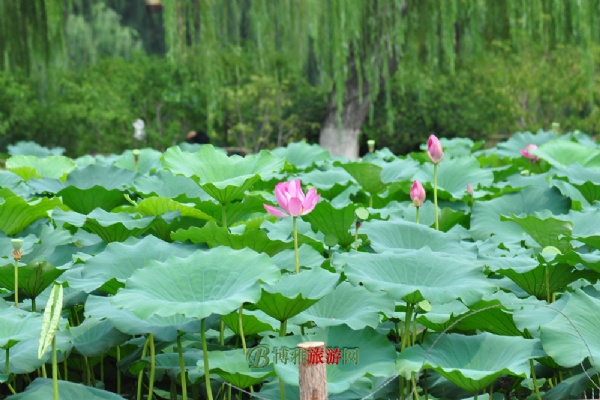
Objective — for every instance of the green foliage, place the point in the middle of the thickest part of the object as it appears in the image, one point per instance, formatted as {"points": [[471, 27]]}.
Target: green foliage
{"points": [[489, 98], [100, 36], [263, 112]]}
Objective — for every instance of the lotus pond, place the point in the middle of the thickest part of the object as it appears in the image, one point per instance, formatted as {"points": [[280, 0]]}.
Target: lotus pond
{"points": [[162, 275]]}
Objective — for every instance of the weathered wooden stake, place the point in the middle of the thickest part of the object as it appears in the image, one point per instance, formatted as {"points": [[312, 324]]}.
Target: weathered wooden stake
{"points": [[313, 372]]}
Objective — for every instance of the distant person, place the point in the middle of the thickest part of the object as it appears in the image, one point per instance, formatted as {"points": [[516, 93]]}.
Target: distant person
{"points": [[197, 137]]}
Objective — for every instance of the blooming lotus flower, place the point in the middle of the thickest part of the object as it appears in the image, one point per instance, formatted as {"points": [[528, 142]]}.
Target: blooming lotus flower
{"points": [[292, 200], [417, 194], [525, 152], [434, 149]]}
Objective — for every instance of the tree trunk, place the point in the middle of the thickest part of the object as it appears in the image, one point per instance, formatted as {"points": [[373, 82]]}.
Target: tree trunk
{"points": [[341, 139]]}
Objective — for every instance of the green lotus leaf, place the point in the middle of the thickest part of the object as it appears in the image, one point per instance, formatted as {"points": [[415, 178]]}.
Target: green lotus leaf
{"points": [[571, 387], [51, 167], [398, 234], [168, 363], [223, 178], [576, 173], [52, 245], [163, 328], [332, 221], [29, 148], [23, 357], [561, 153], [165, 184], [309, 257], [416, 275], [519, 264], [454, 175], [214, 235], [155, 206], [329, 181], [485, 218], [95, 337], [111, 227], [472, 362], [119, 261], [10, 180], [253, 322], [96, 186], [148, 159], [33, 277], [572, 333], [367, 175], [233, 367], [399, 170], [294, 293], [437, 319], [216, 281], [348, 305], [41, 388], [585, 226], [17, 326], [485, 315], [578, 200], [16, 213], [544, 229], [518, 141], [360, 353], [301, 154], [534, 281]]}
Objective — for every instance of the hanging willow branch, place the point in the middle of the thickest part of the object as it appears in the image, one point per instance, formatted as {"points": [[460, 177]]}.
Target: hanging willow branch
{"points": [[283, 38]]}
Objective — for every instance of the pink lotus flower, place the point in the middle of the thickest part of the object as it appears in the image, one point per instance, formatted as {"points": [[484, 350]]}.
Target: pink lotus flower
{"points": [[469, 189], [292, 200], [525, 152], [434, 149], [417, 194]]}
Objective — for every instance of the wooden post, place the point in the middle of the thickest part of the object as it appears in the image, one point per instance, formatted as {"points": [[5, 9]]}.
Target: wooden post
{"points": [[313, 372]]}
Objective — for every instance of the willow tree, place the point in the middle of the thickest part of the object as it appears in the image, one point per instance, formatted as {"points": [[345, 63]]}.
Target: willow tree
{"points": [[31, 34], [352, 48]]}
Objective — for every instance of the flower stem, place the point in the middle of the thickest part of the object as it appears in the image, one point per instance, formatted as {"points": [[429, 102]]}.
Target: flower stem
{"points": [[182, 367], [435, 202], [209, 394], [152, 366], [407, 333], [296, 256], [118, 369], [418, 212], [533, 377], [140, 374], [224, 215], [241, 329], [548, 296], [17, 283], [54, 369], [282, 332]]}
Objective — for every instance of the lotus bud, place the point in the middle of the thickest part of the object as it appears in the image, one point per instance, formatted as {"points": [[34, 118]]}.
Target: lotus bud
{"points": [[434, 149], [469, 189], [417, 194]]}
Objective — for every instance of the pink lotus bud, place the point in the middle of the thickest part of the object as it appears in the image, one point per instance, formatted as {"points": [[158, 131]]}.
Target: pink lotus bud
{"points": [[469, 189], [525, 152], [292, 200], [417, 194], [434, 149]]}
